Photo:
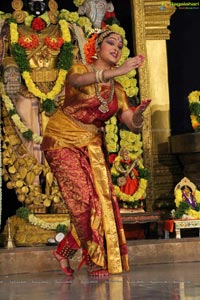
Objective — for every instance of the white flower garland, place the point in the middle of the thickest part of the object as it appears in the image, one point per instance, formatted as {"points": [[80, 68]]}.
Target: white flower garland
{"points": [[45, 225]]}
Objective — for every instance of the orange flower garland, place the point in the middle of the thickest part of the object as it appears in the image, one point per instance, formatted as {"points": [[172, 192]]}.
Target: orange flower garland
{"points": [[54, 42], [28, 41]]}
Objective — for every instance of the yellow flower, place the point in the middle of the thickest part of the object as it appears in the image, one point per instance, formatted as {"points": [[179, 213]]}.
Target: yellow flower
{"points": [[138, 195], [118, 29], [28, 20], [37, 139], [73, 17], [125, 54], [65, 31], [78, 3], [197, 196], [193, 213], [45, 17], [113, 120], [111, 128], [194, 121], [85, 23], [14, 33], [124, 80], [112, 147], [51, 95], [15, 118], [4, 16], [131, 137], [64, 13], [111, 137], [194, 96]]}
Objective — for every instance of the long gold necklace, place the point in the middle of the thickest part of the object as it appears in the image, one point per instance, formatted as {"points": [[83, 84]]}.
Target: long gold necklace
{"points": [[103, 107]]}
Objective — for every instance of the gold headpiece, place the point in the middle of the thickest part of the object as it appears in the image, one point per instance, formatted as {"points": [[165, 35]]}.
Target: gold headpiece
{"points": [[102, 35], [185, 182]]}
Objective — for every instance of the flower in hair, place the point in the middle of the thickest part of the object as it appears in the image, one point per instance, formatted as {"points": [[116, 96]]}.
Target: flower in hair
{"points": [[90, 49]]}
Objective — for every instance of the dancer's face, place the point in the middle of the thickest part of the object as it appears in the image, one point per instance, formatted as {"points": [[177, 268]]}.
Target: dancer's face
{"points": [[110, 49]]}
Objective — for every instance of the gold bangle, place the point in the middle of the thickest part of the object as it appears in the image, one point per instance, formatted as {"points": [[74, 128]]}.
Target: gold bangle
{"points": [[103, 79], [101, 76], [98, 76]]}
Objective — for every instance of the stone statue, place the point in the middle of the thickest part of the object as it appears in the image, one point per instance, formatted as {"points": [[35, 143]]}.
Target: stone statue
{"points": [[95, 10]]}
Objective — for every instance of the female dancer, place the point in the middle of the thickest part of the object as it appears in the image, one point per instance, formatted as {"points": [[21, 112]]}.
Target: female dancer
{"points": [[73, 148]]}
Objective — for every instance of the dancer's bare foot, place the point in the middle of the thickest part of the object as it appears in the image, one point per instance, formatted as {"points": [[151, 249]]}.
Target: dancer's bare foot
{"points": [[64, 264], [95, 270]]}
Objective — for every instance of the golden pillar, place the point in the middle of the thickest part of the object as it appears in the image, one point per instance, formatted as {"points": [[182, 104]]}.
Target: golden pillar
{"points": [[150, 24]]}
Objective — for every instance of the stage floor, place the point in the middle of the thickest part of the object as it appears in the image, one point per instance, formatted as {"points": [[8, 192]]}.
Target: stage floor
{"points": [[149, 282], [160, 269]]}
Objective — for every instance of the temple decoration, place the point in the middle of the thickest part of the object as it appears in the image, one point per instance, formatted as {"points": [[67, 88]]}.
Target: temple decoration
{"points": [[42, 51], [187, 200], [194, 106], [151, 32]]}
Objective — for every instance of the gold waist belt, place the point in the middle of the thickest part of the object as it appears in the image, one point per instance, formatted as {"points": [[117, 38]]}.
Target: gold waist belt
{"points": [[44, 75]]}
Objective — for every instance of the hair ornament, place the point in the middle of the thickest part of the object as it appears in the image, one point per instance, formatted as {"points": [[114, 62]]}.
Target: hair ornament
{"points": [[96, 37]]}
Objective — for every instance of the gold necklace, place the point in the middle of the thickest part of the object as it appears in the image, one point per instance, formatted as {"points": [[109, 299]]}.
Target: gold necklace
{"points": [[103, 107]]}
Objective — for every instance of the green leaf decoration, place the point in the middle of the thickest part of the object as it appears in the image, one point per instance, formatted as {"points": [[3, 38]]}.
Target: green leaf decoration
{"points": [[48, 106], [28, 135], [23, 213], [12, 112], [61, 228], [19, 55], [66, 56]]}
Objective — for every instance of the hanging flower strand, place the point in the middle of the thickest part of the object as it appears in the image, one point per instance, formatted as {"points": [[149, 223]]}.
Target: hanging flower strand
{"points": [[25, 131]]}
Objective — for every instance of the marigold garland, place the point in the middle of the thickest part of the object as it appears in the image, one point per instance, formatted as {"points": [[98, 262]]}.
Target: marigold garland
{"points": [[54, 42], [29, 41], [132, 142]]}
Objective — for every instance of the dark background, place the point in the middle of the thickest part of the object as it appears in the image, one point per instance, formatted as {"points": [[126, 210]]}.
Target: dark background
{"points": [[183, 68]]}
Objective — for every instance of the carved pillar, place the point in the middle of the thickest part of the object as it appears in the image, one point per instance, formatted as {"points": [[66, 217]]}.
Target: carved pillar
{"points": [[150, 24]]}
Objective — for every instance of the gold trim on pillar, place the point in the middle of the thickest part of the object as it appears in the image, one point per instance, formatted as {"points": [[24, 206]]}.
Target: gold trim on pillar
{"points": [[140, 48], [150, 24], [157, 20]]}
